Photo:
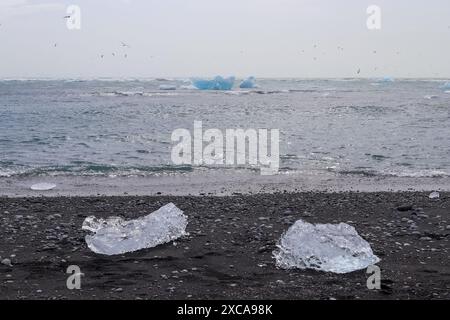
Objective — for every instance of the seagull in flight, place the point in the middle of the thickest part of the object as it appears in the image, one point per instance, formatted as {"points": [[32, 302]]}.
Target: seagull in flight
{"points": [[124, 45]]}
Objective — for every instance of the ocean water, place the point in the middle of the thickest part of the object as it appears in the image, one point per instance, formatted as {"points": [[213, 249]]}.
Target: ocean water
{"points": [[111, 128]]}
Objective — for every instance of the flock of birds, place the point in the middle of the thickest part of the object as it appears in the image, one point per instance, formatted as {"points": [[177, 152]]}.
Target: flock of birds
{"points": [[339, 48], [125, 45]]}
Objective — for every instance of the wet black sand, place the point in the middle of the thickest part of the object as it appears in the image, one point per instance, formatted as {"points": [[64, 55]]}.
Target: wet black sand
{"points": [[228, 254]]}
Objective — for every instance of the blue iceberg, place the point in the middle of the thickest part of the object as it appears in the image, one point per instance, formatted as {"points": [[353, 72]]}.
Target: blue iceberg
{"points": [[387, 80], [446, 86], [248, 83], [218, 83]]}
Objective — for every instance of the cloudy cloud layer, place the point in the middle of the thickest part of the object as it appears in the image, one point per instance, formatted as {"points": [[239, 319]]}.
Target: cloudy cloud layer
{"points": [[265, 38]]}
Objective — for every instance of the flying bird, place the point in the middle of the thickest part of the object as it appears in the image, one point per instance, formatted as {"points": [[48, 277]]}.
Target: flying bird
{"points": [[124, 45], [66, 17]]}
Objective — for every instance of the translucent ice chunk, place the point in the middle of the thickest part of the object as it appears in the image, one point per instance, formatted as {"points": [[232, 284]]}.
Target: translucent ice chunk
{"points": [[218, 83], [43, 186], [116, 236], [434, 195], [248, 83], [325, 247]]}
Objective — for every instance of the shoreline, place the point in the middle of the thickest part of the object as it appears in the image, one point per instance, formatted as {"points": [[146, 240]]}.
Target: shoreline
{"points": [[228, 252], [218, 183]]}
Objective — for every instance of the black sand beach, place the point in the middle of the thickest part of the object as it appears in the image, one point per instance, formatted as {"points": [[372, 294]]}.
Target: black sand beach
{"points": [[228, 254]]}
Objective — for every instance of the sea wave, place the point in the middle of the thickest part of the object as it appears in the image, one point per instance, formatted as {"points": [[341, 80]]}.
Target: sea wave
{"points": [[134, 94], [425, 173], [94, 170]]}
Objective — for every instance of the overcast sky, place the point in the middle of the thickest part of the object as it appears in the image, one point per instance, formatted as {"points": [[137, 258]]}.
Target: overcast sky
{"points": [[264, 38]]}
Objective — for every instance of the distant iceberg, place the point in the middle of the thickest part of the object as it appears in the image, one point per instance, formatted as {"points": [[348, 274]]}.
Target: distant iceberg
{"points": [[446, 86], [218, 83], [188, 87], [248, 83], [167, 87], [386, 80]]}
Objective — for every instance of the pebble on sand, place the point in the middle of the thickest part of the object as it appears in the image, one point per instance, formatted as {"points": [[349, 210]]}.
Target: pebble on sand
{"points": [[7, 262], [405, 208], [434, 195]]}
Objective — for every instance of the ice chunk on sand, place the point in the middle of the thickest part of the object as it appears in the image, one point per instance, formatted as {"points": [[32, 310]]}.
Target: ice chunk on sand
{"points": [[248, 83], [43, 186], [325, 247], [218, 83], [116, 236], [167, 87], [434, 195]]}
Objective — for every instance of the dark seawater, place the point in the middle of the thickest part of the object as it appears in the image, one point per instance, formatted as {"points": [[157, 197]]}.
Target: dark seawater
{"points": [[123, 128]]}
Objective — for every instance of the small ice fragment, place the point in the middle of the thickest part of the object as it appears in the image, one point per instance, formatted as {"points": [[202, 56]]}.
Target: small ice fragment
{"points": [[167, 87], [116, 236], [434, 195], [218, 83], [248, 83], [43, 186], [325, 247]]}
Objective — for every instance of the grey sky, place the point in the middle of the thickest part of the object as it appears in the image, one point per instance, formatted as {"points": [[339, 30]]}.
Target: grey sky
{"points": [[264, 38]]}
